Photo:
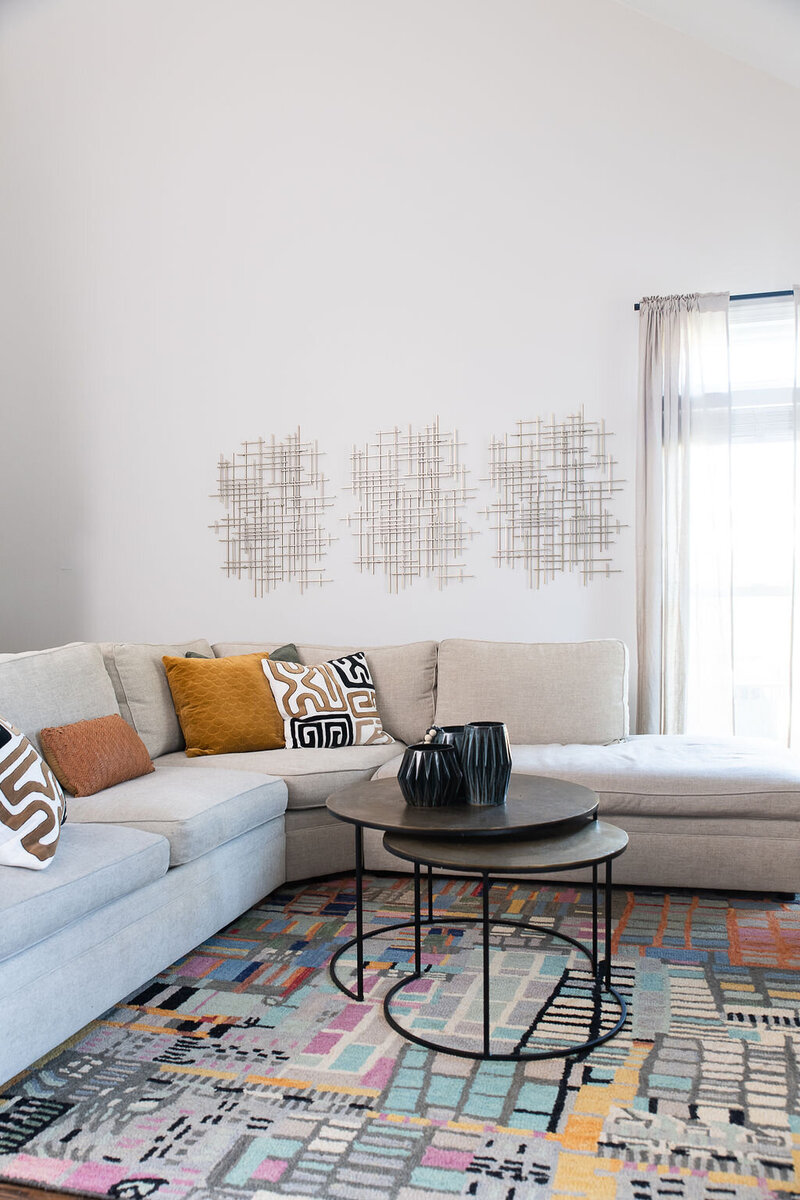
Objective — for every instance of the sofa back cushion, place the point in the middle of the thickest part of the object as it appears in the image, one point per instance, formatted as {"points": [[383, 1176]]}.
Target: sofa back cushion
{"points": [[404, 678], [54, 687], [140, 683], [547, 692]]}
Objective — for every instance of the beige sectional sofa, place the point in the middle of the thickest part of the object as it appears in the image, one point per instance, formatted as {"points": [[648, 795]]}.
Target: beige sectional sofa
{"points": [[150, 868]]}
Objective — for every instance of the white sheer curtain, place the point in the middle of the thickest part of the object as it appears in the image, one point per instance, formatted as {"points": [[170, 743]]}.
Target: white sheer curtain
{"points": [[719, 528], [683, 366], [794, 661], [759, 439]]}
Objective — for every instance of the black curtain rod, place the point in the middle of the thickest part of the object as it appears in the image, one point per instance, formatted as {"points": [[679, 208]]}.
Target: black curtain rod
{"points": [[750, 296]]}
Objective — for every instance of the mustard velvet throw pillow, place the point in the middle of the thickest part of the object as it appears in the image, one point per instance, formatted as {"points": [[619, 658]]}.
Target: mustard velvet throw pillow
{"points": [[32, 805], [224, 705], [328, 705]]}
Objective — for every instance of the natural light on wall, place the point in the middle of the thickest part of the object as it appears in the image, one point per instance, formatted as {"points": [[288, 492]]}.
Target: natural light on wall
{"points": [[743, 530]]}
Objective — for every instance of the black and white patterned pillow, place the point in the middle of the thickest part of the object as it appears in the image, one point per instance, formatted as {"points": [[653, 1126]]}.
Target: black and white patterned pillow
{"points": [[32, 804], [328, 705]]}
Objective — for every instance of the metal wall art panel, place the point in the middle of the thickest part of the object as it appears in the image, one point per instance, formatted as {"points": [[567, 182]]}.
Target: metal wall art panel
{"points": [[555, 481], [410, 490], [275, 499]]}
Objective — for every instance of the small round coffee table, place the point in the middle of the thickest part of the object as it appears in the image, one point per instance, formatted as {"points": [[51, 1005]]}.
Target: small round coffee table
{"points": [[587, 845], [535, 807]]}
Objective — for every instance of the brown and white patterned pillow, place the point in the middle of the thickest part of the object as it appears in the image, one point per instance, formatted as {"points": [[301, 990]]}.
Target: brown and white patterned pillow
{"points": [[328, 705], [32, 805]]}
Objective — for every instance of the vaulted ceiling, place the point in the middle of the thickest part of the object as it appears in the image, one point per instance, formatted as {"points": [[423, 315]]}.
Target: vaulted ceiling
{"points": [[763, 33]]}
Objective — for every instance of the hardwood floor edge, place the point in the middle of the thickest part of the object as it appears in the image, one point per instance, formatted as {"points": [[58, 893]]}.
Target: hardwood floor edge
{"points": [[22, 1191]]}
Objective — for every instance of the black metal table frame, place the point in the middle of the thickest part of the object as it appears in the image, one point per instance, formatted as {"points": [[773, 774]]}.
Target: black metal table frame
{"points": [[601, 968]]}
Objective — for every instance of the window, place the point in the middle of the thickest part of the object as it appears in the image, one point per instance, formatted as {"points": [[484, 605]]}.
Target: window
{"points": [[743, 531]]}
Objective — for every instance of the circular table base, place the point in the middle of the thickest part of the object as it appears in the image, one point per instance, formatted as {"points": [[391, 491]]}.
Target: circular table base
{"points": [[354, 942], [515, 1056]]}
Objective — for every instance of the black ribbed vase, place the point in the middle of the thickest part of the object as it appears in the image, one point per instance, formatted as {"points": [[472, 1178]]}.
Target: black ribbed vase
{"points": [[486, 762], [430, 775]]}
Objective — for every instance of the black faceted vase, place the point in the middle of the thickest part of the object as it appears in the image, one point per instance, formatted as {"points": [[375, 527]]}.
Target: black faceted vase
{"points": [[450, 735], [486, 762], [430, 775], [453, 735]]}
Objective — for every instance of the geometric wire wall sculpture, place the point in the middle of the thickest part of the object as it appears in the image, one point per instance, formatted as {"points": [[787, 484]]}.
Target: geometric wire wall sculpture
{"points": [[273, 531], [410, 490], [555, 481]]}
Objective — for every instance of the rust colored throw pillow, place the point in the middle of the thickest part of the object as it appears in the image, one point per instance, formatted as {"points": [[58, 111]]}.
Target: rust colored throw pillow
{"points": [[224, 705], [92, 755]]}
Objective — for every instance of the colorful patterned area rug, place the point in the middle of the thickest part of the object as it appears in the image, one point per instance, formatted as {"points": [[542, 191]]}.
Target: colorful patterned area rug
{"points": [[242, 1073]]}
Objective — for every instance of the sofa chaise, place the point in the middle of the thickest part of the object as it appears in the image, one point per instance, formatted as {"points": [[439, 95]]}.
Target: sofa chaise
{"points": [[147, 870]]}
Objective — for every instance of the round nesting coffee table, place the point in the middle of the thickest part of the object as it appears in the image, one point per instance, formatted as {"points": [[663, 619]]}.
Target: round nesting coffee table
{"points": [[535, 807], [587, 845]]}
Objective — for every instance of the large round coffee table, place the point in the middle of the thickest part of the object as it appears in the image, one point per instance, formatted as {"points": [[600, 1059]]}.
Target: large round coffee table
{"points": [[545, 826]]}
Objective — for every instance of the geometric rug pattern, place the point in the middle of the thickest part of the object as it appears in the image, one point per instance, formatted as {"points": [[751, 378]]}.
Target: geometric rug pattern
{"points": [[242, 1073]]}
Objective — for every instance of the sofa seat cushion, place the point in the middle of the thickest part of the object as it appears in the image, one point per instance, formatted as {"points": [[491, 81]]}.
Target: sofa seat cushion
{"points": [[310, 775], [95, 865], [671, 776], [196, 811]]}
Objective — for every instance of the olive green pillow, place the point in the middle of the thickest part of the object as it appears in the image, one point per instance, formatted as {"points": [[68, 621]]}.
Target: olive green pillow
{"points": [[287, 653]]}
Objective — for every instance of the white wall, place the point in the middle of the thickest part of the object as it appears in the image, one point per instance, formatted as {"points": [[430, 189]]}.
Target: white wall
{"points": [[222, 218]]}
